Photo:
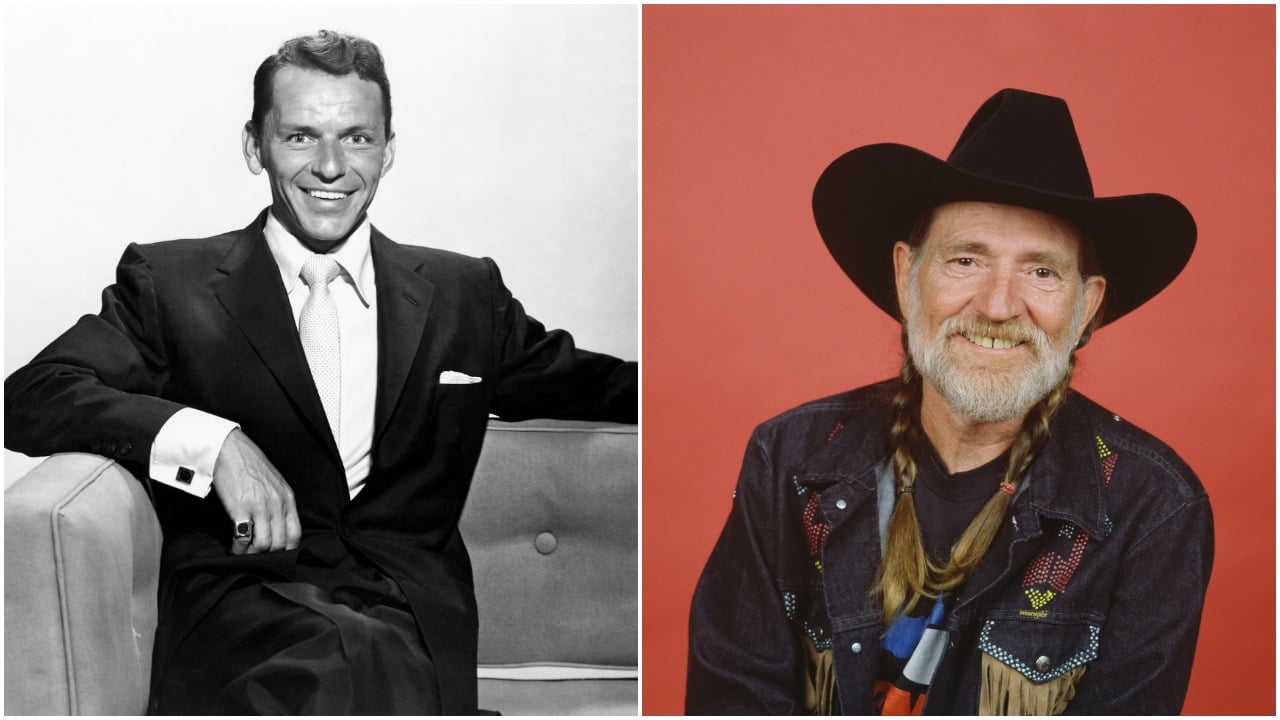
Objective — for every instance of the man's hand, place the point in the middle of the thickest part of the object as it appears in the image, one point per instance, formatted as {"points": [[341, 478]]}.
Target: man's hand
{"points": [[251, 488]]}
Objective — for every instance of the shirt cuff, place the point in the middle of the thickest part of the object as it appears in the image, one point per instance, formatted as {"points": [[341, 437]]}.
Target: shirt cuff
{"points": [[186, 449]]}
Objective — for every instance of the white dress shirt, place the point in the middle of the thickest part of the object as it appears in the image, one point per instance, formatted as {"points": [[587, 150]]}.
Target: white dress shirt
{"points": [[186, 449]]}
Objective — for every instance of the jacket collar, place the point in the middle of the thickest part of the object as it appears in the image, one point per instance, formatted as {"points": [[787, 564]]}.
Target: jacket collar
{"points": [[1064, 481], [404, 302], [253, 295], [857, 442]]}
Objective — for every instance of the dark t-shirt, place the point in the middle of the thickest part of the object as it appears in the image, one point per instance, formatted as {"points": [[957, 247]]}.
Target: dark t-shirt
{"points": [[945, 505]]}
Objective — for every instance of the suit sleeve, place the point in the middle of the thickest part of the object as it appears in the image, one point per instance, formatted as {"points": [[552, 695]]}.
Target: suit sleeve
{"points": [[542, 373], [744, 658], [95, 388]]}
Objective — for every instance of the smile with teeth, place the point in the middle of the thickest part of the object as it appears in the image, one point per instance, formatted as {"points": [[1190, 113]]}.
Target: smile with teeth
{"points": [[994, 343], [327, 194]]}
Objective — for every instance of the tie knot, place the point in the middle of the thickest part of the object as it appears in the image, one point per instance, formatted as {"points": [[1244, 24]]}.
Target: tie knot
{"points": [[320, 267]]}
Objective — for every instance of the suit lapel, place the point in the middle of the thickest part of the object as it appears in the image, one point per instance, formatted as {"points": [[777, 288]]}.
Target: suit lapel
{"points": [[404, 300], [253, 296]]}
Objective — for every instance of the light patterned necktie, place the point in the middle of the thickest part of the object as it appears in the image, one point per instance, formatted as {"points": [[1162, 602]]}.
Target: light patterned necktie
{"points": [[321, 338]]}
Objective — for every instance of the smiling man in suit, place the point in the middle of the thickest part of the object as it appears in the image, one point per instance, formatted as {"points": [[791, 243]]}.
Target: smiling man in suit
{"points": [[308, 400]]}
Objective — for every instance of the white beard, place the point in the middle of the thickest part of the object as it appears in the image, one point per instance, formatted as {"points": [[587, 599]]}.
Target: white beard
{"points": [[982, 394]]}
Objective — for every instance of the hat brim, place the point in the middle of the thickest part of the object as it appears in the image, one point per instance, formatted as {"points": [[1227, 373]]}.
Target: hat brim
{"points": [[868, 198]]}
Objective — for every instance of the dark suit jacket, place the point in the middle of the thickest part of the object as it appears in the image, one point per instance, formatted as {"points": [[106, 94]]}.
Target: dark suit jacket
{"points": [[206, 324]]}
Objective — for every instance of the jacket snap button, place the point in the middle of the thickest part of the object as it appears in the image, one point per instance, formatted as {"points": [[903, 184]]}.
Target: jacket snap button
{"points": [[1042, 663], [841, 504], [856, 648]]}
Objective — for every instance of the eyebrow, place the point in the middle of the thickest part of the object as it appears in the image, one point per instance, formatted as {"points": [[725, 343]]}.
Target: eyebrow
{"points": [[977, 247], [1046, 257], [312, 130], [973, 247]]}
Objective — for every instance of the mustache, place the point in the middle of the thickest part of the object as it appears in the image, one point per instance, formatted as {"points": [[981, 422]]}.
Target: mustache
{"points": [[1016, 330]]}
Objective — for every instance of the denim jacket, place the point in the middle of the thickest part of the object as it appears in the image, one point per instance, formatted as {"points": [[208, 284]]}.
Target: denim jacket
{"points": [[1102, 565]]}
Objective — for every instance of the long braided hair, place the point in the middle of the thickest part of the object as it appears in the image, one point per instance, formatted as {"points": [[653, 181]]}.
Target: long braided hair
{"points": [[907, 574]]}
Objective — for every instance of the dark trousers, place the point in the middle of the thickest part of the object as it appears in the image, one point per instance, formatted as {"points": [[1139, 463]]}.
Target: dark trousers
{"points": [[330, 640]]}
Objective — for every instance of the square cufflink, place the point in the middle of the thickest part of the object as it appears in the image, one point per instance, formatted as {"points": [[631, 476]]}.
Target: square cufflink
{"points": [[185, 475]]}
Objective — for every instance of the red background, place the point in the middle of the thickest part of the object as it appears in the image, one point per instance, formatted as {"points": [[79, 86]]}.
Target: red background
{"points": [[746, 315]]}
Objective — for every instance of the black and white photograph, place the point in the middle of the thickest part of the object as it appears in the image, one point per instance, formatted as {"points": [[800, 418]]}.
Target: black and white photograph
{"points": [[303, 450]]}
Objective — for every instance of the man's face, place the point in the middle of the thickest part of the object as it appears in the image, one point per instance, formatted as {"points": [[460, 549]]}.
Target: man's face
{"points": [[994, 306], [324, 147]]}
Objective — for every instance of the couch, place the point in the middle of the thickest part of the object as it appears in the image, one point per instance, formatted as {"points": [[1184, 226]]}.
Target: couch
{"points": [[550, 523]]}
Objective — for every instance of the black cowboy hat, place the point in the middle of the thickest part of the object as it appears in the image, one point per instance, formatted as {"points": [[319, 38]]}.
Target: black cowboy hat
{"points": [[1020, 148]]}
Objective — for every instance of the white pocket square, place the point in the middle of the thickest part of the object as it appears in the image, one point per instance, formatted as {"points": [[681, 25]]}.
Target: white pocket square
{"points": [[453, 377]]}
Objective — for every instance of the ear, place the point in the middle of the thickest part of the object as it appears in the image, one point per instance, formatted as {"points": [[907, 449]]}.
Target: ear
{"points": [[388, 155], [1095, 288], [902, 274], [252, 149]]}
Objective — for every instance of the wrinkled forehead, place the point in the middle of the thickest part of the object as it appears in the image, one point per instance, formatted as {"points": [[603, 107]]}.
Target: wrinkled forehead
{"points": [[297, 91], [1001, 229]]}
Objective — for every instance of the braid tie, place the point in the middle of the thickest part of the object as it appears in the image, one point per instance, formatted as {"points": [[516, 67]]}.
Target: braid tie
{"points": [[903, 575], [906, 574], [974, 542]]}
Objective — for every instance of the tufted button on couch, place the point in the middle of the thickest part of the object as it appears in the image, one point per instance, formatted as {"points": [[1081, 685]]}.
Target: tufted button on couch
{"points": [[550, 524]]}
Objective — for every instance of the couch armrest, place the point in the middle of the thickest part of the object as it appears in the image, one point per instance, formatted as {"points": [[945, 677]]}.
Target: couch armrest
{"points": [[81, 570]]}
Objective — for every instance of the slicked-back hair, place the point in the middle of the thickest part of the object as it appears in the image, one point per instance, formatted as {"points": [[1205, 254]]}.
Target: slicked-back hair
{"points": [[329, 52]]}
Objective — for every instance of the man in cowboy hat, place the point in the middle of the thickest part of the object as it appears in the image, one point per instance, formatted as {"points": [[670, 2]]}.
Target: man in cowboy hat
{"points": [[306, 401], [973, 537]]}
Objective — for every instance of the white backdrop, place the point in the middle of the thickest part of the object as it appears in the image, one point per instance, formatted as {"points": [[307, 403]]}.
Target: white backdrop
{"points": [[516, 138]]}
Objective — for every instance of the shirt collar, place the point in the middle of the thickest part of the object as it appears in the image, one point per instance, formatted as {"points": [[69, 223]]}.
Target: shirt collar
{"points": [[353, 257]]}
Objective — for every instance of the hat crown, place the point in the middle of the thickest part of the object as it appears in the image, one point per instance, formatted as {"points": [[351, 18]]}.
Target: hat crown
{"points": [[1026, 139]]}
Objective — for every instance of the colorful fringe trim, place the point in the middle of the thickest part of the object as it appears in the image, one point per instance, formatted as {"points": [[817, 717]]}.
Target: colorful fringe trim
{"points": [[1006, 691]]}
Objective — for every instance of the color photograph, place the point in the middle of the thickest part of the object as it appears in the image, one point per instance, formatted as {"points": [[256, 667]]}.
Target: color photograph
{"points": [[1002, 173]]}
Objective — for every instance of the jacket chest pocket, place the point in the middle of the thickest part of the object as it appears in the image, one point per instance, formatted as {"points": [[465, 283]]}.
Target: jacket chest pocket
{"points": [[459, 396], [1031, 667]]}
